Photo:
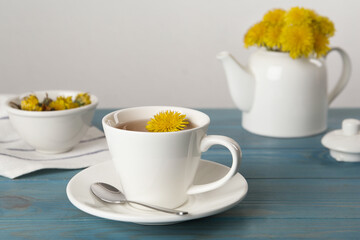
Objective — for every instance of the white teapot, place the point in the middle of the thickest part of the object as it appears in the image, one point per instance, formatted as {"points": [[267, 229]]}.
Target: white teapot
{"points": [[281, 96]]}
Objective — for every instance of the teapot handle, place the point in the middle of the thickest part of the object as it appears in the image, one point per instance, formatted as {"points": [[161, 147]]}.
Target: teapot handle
{"points": [[345, 74]]}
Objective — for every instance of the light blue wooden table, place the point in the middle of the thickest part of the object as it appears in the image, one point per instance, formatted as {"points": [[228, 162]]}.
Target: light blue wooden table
{"points": [[296, 190]]}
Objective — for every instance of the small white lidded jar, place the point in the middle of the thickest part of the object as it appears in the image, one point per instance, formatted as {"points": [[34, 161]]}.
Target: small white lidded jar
{"points": [[344, 143]]}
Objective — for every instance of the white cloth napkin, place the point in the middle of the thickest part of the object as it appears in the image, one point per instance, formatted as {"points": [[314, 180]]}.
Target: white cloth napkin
{"points": [[18, 158]]}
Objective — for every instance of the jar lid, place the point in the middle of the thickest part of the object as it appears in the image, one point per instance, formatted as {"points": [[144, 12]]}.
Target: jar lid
{"points": [[344, 144]]}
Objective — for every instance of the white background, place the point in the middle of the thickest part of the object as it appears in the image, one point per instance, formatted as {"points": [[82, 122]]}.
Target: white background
{"points": [[148, 52]]}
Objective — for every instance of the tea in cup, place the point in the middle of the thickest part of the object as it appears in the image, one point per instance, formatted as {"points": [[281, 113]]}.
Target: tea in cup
{"points": [[159, 167]]}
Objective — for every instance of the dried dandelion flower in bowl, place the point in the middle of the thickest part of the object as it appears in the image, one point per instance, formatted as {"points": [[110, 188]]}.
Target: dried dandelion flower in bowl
{"points": [[52, 121], [32, 103]]}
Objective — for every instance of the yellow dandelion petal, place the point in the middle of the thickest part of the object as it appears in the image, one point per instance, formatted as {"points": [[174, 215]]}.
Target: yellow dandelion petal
{"points": [[255, 35], [311, 14], [30, 103], [83, 99], [299, 16], [167, 121], [321, 44], [272, 36], [274, 17], [62, 103], [58, 104], [69, 103], [297, 40], [325, 26]]}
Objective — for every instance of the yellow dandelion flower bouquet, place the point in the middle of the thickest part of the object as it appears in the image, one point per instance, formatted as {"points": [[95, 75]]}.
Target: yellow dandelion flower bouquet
{"points": [[282, 90], [300, 32]]}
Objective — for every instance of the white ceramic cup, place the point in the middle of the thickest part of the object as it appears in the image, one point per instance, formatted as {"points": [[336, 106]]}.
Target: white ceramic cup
{"points": [[159, 167]]}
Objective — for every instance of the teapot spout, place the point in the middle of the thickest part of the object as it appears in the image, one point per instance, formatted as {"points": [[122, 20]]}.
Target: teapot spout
{"points": [[240, 81]]}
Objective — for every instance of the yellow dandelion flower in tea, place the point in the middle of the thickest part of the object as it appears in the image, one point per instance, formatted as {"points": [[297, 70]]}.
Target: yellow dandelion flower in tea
{"points": [[83, 99], [274, 17], [30, 103], [297, 40], [167, 121], [255, 35], [321, 44], [299, 16]]}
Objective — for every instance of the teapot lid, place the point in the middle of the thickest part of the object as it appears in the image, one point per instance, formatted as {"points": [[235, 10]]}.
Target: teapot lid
{"points": [[344, 143]]}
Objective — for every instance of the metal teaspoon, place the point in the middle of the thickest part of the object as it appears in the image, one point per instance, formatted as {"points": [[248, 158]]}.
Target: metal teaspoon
{"points": [[111, 194]]}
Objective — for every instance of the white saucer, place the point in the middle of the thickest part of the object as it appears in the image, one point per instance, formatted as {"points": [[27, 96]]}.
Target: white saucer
{"points": [[198, 205]]}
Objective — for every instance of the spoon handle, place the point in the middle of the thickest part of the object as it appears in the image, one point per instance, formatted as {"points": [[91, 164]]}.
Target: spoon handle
{"points": [[167, 210], [111, 194]]}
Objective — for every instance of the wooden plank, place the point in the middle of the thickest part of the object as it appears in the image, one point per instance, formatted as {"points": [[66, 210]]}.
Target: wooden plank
{"points": [[288, 164], [209, 228], [267, 198], [265, 163]]}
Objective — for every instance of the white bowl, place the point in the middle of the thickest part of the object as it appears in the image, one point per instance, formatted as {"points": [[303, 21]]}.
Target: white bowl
{"points": [[52, 131]]}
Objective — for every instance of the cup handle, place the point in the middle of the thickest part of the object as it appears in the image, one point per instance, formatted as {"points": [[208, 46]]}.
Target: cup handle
{"points": [[345, 74], [235, 150]]}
